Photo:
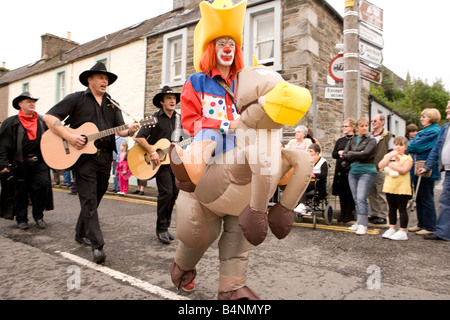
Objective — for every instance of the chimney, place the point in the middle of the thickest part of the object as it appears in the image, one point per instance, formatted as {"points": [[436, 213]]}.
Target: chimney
{"points": [[4, 65], [185, 4], [53, 45], [69, 35]]}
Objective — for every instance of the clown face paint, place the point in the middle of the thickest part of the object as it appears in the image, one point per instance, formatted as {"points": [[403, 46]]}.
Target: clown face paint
{"points": [[225, 49]]}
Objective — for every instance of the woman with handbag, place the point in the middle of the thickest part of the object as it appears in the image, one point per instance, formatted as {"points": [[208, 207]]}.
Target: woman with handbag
{"points": [[419, 147], [340, 185]]}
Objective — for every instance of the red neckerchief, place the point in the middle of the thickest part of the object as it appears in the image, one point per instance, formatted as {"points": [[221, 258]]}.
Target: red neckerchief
{"points": [[29, 123]]}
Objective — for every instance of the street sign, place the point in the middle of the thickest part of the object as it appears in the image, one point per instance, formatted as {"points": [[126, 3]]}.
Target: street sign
{"points": [[370, 53], [334, 93], [370, 74], [336, 68], [371, 36], [371, 14]]}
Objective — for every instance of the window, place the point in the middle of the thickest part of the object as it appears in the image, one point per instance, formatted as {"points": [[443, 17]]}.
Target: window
{"points": [[174, 58], [262, 34], [26, 87], [60, 85]]}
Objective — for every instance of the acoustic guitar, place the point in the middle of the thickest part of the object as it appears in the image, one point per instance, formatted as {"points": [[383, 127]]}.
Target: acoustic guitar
{"points": [[60, 155], [139, 159]]}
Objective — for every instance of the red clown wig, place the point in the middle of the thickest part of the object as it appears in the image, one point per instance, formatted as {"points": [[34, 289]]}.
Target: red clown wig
{"points": [[208, 60]]}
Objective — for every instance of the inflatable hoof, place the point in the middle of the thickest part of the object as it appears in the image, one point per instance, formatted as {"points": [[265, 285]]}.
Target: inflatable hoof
{"points": [[181, 278], [253, 225], [244, 293], [280, 220]]}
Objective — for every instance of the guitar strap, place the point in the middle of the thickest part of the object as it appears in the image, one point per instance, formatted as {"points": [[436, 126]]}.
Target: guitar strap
{"points": [[224, 85]]}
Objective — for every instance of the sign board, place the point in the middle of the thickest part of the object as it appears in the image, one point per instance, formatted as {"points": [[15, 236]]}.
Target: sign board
{"points": [[336, 68], [349, 3], [371, 14], [334, 93], [371, 36], [370, 74], [370, 53]]}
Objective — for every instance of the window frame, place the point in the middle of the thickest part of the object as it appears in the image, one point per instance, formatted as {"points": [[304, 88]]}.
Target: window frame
{"points": [[167, 64], [250, 36]]}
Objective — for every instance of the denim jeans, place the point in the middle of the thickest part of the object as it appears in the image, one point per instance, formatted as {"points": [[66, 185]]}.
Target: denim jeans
{"points": [[361, 185], [443, 221]]}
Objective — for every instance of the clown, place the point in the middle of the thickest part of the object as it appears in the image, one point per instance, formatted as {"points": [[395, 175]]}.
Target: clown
{"points": [[208, 110], [229, 200]]}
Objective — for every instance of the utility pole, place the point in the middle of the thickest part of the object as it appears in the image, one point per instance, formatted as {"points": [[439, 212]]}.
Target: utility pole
{"points": [[351, 59]]}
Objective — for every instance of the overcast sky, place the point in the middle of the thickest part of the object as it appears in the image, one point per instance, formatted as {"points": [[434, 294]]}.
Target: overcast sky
{"points": [[415, 33]]}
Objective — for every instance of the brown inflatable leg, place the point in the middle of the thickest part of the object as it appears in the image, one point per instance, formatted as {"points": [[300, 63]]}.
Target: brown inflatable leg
{"points": [[234, 252]]}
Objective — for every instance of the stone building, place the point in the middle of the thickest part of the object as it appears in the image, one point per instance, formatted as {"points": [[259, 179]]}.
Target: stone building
{"points": [[295, 37]]}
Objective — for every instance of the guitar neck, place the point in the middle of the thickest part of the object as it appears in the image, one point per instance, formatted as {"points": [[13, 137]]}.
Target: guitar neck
{"points": [[107, 132]]}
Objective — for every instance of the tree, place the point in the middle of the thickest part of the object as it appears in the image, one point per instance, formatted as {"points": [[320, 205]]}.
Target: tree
{"points": [[410, 102]]}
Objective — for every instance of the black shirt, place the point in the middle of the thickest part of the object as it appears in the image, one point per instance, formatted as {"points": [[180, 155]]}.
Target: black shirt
{"points": [[81, 107], [163, 128]]}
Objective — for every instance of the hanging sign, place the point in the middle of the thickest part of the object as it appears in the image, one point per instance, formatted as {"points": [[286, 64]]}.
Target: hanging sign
{"points": [[371, 14]]}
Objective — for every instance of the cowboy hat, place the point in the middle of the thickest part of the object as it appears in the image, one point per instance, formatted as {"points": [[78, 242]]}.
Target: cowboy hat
{"points": [[219, 19], [98, 68], [160, 96], [22, 96]]}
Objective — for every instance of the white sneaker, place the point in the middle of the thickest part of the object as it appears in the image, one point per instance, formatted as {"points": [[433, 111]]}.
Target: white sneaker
{"points": [[353, 227], [399, 235], [300, 209], [361, 230], [388, 233]]}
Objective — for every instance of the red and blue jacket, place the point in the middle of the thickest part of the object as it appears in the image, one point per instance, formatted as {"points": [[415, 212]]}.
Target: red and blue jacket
{"points": [[205, 104]]}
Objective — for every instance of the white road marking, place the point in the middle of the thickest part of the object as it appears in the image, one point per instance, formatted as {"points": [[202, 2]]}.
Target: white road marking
{"points": [[166, 294]]}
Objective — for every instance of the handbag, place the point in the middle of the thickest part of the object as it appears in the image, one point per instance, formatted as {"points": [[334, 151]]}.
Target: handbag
{"points": [[419, 164]]}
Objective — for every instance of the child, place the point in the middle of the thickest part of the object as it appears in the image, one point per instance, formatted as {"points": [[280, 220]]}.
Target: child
{"points": [[397, 186], [122, 170]]}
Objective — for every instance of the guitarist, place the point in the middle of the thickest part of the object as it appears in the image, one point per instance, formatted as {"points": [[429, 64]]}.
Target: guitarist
{"points": [[169, 127], [92, 172]]}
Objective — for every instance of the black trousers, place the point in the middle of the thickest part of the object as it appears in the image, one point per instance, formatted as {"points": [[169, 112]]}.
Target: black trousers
{"points": [[167, 195], [398, 202], [32, 183], [91, 175]]}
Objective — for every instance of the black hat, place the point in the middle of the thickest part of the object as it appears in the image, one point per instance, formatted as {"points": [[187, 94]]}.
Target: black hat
{"points": [[160, 96], [23, 96], [98, 68]]}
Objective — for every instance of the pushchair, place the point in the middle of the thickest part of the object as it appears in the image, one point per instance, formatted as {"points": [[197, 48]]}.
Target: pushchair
{"points": [[316, 202]]}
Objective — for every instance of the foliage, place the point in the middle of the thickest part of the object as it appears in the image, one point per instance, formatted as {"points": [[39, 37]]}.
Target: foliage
{"points": [[416, 96]]}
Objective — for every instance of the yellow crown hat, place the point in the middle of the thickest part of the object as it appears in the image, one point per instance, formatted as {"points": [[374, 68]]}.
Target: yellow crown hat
{"points": [[221, 18]]}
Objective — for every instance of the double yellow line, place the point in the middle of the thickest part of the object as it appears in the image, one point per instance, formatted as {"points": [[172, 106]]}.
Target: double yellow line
{"points": [[335, 228]]}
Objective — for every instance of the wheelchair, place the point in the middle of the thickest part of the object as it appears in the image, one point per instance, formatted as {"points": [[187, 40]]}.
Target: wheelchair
{"points": [[317, 205]]}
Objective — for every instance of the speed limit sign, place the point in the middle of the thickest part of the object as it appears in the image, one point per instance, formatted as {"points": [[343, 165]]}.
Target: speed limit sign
{"points": [[336, 68]]}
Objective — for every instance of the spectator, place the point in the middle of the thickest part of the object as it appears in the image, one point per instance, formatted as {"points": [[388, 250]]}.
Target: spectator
{"points": [[360, 151], [340, 186], [441, 153], [385, 144], [301, 142], [397, 186], [411, 131], [319, 177], [118, 140], [122, 169], [419, 148]]}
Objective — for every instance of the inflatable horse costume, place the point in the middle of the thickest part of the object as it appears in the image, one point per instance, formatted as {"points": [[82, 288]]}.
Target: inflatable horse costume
{"points": [[233, 189]]}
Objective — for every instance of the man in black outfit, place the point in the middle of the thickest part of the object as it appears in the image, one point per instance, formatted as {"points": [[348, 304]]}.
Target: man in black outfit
{"points": [[24, 173], [92, 172], [169, 127]]}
